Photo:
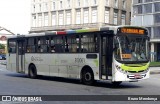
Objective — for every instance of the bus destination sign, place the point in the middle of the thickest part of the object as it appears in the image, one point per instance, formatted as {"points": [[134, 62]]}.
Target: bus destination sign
{"points": [[132, 31]]}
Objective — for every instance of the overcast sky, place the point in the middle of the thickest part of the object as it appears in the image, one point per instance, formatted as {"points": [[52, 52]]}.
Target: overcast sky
{"points": [[15, 15]]}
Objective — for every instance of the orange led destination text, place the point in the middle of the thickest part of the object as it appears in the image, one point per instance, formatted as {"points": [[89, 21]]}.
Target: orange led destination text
{"points": [[132, 31]]}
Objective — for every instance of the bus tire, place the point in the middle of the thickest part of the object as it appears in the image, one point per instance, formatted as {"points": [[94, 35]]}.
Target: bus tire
{"points": [[116, 84], [87, 77], [32, 71]]}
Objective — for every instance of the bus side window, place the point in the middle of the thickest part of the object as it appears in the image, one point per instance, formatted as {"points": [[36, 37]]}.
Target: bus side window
{"points": [[89, 43], [66, 48], [52, 48], [72, 44], [58, 48], [74, 48], [12, 46]]}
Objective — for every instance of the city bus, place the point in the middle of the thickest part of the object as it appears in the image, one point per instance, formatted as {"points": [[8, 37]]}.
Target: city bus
{"points": [[91, 54]]}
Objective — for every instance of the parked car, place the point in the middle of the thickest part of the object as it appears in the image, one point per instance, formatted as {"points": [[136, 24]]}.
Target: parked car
{"points": [[2, 57]]}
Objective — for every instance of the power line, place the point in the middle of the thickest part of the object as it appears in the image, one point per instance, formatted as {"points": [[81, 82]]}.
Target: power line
{"points": [[2, 28]]}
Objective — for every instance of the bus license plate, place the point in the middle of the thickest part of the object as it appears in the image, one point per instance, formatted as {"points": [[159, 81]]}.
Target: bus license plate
{"points": [[137, 76]]}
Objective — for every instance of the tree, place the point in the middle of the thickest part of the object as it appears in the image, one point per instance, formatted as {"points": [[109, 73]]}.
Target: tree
{"points": [[2, 46]]}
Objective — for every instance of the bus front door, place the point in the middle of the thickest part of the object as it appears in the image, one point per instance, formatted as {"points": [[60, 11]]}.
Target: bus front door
{"points": [[20, 57], [106, 48]]}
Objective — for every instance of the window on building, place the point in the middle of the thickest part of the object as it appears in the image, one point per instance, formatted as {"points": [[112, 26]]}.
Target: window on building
{"points": [[34, 9], [157, 6], [148, 0], [137, 9], [94, 15], [137, 1], [106, 15], [78, 3], [156, 32], [148, 20], [86, 16], [107, 2], [116, 3], [148, 8], [39, 20], [89, 43], [34, 21], [124, 4], [94, 2], [46, 19], [140, 1], [45, 6], [12, 46], [115, 20], [68, 17], [61, 5], [53, 18], [123, 18], [53, 6], [68, 3], [157, 18], [78, 17], [40, 7], [60, 18], [31, 45]]}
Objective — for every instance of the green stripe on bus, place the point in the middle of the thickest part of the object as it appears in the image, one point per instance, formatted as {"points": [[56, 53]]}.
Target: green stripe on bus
{"points": [[96, 62], [81, 31], [134, 68]]}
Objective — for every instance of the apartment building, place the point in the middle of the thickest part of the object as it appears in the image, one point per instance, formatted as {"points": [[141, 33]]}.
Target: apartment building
{"points": [[50, 15], [147, 13]]}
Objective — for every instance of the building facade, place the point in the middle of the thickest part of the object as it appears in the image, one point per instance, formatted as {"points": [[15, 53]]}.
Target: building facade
{"points": [[147, 13], [50, 15]]}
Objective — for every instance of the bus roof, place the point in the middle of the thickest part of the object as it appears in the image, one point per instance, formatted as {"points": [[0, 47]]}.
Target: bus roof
{"points": [[67, 32]]}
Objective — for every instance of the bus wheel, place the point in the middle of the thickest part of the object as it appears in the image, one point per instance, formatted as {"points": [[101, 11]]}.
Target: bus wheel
{"points": [[87, 77], [32, 72], [116, 83]]}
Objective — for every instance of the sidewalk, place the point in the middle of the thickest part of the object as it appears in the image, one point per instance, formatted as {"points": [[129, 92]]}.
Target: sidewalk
{"points": [[154, 70]]}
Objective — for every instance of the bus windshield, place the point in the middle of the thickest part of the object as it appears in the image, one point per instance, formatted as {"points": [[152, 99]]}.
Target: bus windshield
{"points": [[131, 48]]}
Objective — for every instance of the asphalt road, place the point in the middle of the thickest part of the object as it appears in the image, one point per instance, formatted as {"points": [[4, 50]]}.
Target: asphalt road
{"points": [[19, 84]]}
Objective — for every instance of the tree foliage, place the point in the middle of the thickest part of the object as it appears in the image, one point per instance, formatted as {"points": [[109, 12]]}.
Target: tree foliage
{"points": [[2, 46]]}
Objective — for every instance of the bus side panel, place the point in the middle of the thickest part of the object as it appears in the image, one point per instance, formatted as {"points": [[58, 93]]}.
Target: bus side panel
{"points": [[91, 62], [68, 67], [46, 64], [49, 64], [11, 62], [32, 59]]}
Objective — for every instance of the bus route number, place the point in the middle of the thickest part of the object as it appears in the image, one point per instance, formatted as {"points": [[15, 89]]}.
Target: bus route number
{"points": [[79, 60]]}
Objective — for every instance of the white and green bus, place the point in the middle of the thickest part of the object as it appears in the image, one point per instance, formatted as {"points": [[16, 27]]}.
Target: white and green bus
{"points": [[115, 53]]}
